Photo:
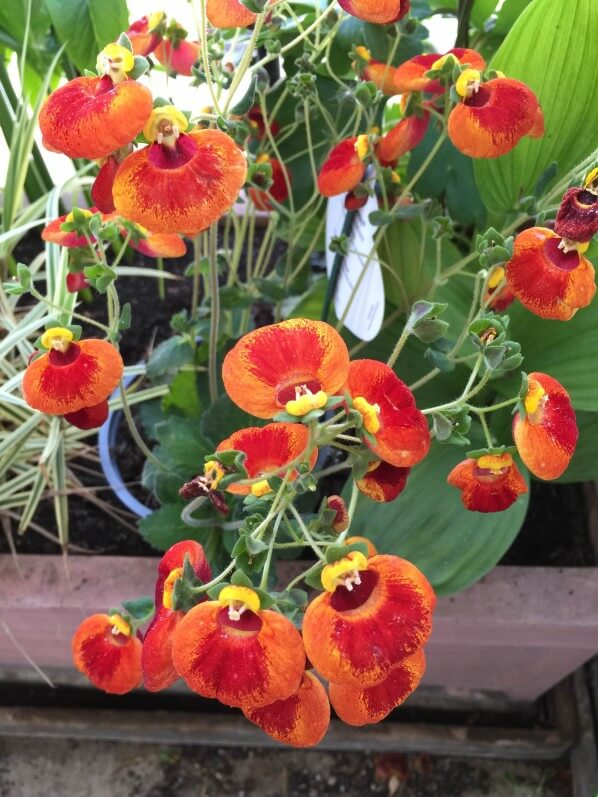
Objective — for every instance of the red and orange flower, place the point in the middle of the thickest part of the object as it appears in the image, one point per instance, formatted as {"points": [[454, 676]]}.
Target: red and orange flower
{"points": [[402, 138], [294, 366], [232, 650], [396, 430], [73, 378], [146, 33], [301, 720], [91, 117], [101, 190], [489, 483], [181, 182], [278, 190], [373, 613], [270, 450], [383, 482], [363, 706], [379, 73], [229, 14], [411, 74], [180, 56], [156, 656], [380, 12], [344, 168], [106, 651], [54, 234], [546, 433], [498, 294], [493, 116], [548, 276], [577, 219]]}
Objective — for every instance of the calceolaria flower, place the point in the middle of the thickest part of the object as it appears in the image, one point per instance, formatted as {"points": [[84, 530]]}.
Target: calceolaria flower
{"points": [[494, 116], [549, 274], [402, 138], [107, 652], [270, 450], [54, 234], [278, 190], [380, 12], [101, 190], [345, 167], [232, 650], [229, 14], [300, 720], [383, 482], [156, 655], [498, 294], [372, 614], [366, 705], [379, 73], [72, 378], [489, 483], [91, 117], [178, 56], [411, 74], [577, 219], [146, 33], [182, 182], [294, 366], [397, 431], [546, 432]]}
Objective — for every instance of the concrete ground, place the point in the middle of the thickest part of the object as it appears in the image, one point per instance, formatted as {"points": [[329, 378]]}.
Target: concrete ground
{"points": [[63, 768]]}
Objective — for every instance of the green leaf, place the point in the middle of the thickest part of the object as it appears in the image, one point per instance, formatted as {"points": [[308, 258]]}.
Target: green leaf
{"points": [[429, 526], [183, 395], [141, 609], [164, 527], [182, 443], [223, 417], [167, 358], [548, 50]]}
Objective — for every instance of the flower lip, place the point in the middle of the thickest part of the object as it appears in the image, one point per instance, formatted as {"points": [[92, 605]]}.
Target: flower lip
{"points": [[248, 623], [344, 600], [479, 98], [565, 261], [288, 392], [66, 357]]}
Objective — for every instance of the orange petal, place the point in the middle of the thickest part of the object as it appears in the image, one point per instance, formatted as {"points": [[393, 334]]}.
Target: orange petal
{"points": [[483, 490], [342, 170], [229, 14], [101, 190], [357, 706], [260, 373], [546, 439], [90, 117], [383, 483], [409, 76], [53, 233], [546, 280], [250, 662], [269, 449], [301, 720], [160, 245], [111, 661], [370, 545], [492, 121], [181, 58], [403, 137], [142, 40], [84, 376], [181, 191], [382, 76], [380, 12], [357, 636]]}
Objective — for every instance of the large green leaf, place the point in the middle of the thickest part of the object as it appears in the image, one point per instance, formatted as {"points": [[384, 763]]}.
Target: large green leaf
{"points": [[429, 526], [87, 26], [551, 47]]}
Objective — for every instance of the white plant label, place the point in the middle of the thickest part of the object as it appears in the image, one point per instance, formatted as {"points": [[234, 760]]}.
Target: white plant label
{"points": [[359, 295]]}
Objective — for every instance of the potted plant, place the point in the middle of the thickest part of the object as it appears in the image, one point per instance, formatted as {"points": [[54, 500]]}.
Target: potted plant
{"points": [[318, 417]]}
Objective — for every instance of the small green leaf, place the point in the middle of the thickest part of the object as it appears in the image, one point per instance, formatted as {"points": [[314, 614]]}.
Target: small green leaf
{"points": [[141, 609]]}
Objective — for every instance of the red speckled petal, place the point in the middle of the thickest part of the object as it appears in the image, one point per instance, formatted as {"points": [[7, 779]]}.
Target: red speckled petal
{"points": [[178, 59], [577, 218], [111, 662], [357, 706], [404, 437], [82, 120], [248, 668], [268, 448], [493, 121], [156, 654], [89, 417], [380, 12], [175, 557], [185, 198], [229, 14], [101, 190], [85, 381], [161, 244], [301, 720], [548, 282], [272, 359], [384, 483], [382, 76], [357, 637], [54, 235], [409, 76], [483, 491], [342, 170], [547, 443], [403, 137]]}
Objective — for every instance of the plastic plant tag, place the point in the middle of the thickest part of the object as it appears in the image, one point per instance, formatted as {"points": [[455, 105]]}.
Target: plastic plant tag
{"points": [[359, 295]]}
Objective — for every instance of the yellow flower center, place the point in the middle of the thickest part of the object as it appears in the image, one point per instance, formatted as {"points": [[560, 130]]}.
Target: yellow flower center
{"points": [[120, 625], [440, 62], [71, 216], [363, 53], [495, 463], [305, 401], [345, 572], [57, 338], [468, 83], [395, 177], [155, 19], [213, 471], [261, 488], [263, 158], [369, 412], [165, 125], [239, 600], [173, 576], [115, 61], [496, 277], [535, 397], [362, 146], [591, 181]]}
